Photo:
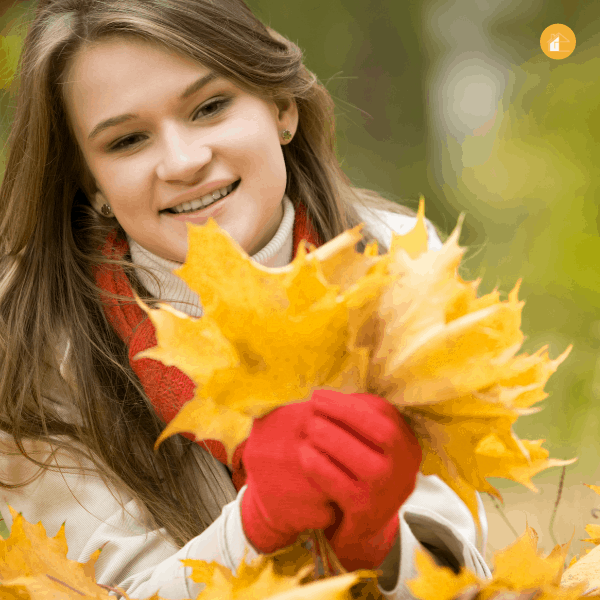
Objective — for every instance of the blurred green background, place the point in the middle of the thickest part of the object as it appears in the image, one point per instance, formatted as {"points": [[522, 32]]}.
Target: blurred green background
{"points": [[455, 100]]}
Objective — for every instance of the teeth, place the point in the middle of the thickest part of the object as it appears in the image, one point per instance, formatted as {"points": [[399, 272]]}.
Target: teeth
{"points": [[210, 198], [204, 201]]}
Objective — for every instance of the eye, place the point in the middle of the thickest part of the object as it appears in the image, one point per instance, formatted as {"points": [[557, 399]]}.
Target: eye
{"points": [[122, 145], [213, 107]]}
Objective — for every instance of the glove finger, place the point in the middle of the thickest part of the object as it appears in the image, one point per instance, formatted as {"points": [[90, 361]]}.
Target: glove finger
{"points": [[302, 514], [290, 418], [359, 458], [371, 401], [376, 429], [337, 483]]}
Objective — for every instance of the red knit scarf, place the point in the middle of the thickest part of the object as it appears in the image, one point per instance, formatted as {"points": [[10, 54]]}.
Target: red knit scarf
{"points": [[167, 387]]}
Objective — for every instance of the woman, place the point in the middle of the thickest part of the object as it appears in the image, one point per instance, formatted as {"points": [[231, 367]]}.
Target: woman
{"points": [[94, 206]]}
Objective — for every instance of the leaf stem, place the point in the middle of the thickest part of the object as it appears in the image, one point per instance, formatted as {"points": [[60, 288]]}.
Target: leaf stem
{"points": [[329, 554], [115, 590], [65, 584], [504, 517], [319, 536], [558, 495]]}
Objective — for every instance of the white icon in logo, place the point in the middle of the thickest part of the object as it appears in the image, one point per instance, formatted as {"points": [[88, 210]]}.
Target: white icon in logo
{"points": [[555, 40]]}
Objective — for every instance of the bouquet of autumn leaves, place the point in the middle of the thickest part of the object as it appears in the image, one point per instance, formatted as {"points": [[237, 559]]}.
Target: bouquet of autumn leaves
{"points": [[402, 325]]}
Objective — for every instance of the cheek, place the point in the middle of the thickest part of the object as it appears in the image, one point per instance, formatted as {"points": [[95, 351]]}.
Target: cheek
{"points": [[263, 151], [127, 185], [255, 136]]}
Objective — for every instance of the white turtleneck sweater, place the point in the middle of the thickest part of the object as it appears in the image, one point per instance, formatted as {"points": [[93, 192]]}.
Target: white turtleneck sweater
{"points": [[277, 253]]}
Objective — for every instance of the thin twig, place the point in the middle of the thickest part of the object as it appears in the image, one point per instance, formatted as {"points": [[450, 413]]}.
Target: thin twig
{"points": [[499, 509], [65, 584], [322, 552], [314, 550], [338, 568], [558, 495]]}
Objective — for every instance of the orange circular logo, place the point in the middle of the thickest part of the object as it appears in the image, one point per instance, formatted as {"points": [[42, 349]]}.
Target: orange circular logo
{"points": [[557, 41]]}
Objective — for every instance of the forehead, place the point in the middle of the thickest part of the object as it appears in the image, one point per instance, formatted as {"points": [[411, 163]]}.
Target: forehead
{"points": [[119, 52], [115, 75]]}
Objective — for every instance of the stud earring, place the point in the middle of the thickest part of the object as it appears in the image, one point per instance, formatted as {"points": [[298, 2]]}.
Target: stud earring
{"points": [[286, 134], [106, 210]]}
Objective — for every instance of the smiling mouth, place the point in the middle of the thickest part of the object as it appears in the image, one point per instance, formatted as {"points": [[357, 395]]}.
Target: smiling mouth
{"points": [[201, 208]]}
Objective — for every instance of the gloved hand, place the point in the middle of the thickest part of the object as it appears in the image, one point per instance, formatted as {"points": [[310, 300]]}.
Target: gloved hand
{"points": [[280, 502], [364, 456]]}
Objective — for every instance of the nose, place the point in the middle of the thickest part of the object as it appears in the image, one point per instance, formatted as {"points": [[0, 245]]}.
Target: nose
{"points": [[183, 157]]}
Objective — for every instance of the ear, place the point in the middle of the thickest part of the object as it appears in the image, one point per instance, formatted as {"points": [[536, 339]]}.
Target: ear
{"points": [[97, 200], [287, 116], [95, 196]]}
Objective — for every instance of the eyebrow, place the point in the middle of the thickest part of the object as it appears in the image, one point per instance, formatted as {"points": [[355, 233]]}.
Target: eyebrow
{"points": [[191, 89]]}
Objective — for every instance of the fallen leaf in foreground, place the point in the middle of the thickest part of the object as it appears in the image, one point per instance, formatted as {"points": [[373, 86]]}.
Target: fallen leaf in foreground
{"points": [[260, 580], [519, 572], [34, 566]]}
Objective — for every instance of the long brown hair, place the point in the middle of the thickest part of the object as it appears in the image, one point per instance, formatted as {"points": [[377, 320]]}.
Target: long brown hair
{"points": [[50, 240]]}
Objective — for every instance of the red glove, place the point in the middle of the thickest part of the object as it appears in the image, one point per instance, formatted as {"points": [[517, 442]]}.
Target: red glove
{"points": [[364, 456], [280, 501]]}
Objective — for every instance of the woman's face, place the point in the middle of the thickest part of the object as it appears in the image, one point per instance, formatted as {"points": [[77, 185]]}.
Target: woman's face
{"points": [[176, 149]]}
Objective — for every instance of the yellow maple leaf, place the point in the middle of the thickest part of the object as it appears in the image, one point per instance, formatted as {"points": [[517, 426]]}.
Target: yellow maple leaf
{"points": [[34, 566], [304, 340], [517, 568], [402, 325], [260, 580], [573, 560], [593, 531], [438, 583]]}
